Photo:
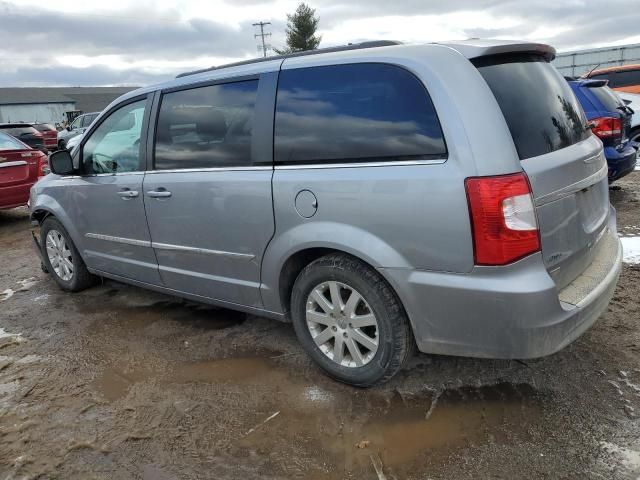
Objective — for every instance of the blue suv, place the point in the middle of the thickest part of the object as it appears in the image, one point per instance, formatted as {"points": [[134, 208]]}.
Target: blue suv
{"points": [[610, 120]]}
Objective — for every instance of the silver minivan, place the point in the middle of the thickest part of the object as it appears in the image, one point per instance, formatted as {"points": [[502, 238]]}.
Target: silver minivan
{"points": [[379, 196]]}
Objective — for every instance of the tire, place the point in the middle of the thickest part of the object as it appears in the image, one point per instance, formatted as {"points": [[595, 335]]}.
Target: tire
{"points": [[79, 277], [331, 340]]}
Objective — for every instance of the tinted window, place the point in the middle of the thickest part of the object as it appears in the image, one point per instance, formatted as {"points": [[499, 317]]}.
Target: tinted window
{"points": [[206, 127], [538, 105], [608, 98], [114, 147], [626, 78], [355, 112], [7, 142], [45, 127], [16, 131]]}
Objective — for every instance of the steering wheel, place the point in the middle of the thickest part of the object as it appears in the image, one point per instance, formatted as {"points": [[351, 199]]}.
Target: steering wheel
{"points": [[106, 164]]}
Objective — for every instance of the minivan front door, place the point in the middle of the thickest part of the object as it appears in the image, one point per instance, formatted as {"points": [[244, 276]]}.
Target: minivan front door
{"points": [[208, 195], [106, 203]]}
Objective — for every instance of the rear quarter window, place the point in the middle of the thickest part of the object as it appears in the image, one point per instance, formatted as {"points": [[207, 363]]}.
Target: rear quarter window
{"points": [[354, 113], [541, 111]]}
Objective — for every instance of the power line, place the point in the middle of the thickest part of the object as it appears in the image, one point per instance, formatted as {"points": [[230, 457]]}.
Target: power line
{"points": [[264, 46]]}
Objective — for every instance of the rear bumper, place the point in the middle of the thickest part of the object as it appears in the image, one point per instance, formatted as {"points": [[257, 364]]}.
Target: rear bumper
{"points": [[14, 196], [620, 163], [506, 312]]}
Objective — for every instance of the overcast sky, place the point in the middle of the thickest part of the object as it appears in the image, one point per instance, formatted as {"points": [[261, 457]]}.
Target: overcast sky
{"points": [[137, 42]]}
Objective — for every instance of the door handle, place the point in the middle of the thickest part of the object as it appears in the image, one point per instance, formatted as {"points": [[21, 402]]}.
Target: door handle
{"points": [[160, 193], [127, 194]]}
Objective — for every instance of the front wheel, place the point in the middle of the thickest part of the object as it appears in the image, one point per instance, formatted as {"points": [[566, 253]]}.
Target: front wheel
{"points": [[62, 259], [349, 320]]}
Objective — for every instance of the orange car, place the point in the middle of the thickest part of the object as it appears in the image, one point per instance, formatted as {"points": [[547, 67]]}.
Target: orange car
{"points": [[625, 78]]}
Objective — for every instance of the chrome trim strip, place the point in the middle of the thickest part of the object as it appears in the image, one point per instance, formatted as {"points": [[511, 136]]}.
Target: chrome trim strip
{"points": [[17, 163], [126, 241], [205, 251], [574, 188], [387, 163], [212, 169], [115, 174]]}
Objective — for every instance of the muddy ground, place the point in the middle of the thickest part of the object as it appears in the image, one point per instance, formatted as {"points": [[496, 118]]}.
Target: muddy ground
{"points": [[117, 383]]}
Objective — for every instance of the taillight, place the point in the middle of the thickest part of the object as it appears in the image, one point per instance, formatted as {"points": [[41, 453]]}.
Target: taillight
{"points": [[503, 218], [43, 166], [606, 127]]}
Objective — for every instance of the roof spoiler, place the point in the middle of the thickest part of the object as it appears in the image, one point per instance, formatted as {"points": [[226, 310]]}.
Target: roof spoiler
{"points": [[595, 83], [475, 48], [587, 82]]}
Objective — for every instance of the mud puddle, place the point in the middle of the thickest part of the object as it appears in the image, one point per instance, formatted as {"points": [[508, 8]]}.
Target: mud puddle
{"points": [[341, 429], [114, 383]]}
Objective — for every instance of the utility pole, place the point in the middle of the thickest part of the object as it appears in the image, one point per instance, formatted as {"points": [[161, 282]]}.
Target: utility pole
{"points": [[264, 46]]}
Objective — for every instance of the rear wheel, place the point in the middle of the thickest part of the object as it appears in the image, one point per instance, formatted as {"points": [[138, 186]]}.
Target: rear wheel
{"points": [[62, 259], [350, 321]]}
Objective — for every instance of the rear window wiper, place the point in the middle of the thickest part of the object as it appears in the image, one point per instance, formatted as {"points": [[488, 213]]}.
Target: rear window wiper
{"points": [[626, 109]]}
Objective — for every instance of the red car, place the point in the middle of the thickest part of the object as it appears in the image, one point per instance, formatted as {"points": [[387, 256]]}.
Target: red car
{"points": [[20, 167], [49, 133]]}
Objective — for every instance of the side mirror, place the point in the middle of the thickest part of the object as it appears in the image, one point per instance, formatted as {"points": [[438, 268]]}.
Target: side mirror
{"points": [[61, 163], [68, 128]]}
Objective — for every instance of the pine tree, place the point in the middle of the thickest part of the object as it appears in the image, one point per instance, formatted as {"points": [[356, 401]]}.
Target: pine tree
{"points": [[301, 29]]}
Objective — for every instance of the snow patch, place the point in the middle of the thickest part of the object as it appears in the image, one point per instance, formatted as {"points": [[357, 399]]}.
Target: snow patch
{"points": [[7, 294], [631, 249], [629, 458], [16, 337], [27, 283]]}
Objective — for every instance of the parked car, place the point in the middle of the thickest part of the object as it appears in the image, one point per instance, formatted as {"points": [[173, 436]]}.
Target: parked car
{"points": [[632, 101], [624, 78], [611, 122], [379, 196], [77, 127], [73, 142], [20, 168], [26, 133], [49, 134]]}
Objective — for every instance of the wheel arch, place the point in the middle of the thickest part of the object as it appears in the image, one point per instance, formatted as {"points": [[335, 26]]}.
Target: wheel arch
{"points": [[278, 277], [47, 207]]}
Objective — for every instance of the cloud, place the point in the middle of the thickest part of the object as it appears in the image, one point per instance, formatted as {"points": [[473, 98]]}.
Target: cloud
{"points": [[70, 76], [142, 41], [131, 33]]}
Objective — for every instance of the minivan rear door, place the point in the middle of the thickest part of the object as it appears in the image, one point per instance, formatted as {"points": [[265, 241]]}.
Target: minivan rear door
{"points": [[564, 162]]}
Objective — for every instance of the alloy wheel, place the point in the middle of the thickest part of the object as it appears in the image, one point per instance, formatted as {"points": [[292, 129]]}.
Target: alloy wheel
{"points": [[59, 255], [342, 324]]}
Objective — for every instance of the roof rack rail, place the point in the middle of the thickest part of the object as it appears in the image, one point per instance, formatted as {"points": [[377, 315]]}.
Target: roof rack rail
{"points": [[342, 48]]}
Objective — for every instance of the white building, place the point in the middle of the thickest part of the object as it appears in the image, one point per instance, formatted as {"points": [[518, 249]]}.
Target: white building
{"points": [[49, 104], [582, 61]]}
